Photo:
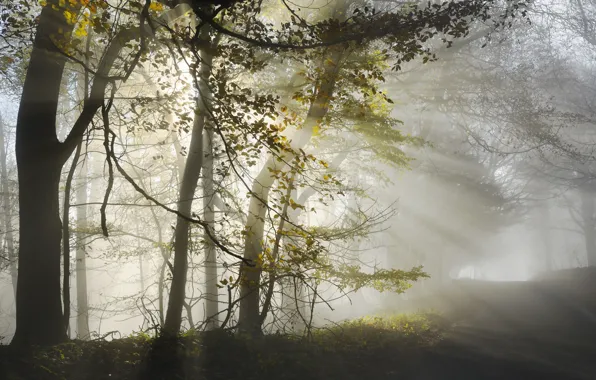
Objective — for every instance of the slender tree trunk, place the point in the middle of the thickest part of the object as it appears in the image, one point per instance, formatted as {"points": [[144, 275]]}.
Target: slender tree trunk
{"points": [[81, 255], [160, 292], [249, 319], [66, 239], [165, 254], [211, 289], [8, 236], [277, 248], [184, 205], [188, 185]]}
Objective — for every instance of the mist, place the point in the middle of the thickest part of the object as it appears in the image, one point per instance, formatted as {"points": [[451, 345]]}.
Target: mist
{"points": [[301, 169]]}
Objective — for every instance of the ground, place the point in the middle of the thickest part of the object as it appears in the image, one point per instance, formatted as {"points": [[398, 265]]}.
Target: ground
{"points": [[541, 329]]}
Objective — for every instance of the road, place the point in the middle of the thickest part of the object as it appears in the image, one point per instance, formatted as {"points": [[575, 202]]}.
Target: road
{"points": [[516, 330]]}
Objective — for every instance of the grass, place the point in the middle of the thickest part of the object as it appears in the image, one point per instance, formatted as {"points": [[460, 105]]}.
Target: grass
{"points": [[381, 347], [528, 330]]}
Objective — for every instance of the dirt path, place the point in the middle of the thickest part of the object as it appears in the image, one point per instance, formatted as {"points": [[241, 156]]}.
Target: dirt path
{"points": [[516, 330]]}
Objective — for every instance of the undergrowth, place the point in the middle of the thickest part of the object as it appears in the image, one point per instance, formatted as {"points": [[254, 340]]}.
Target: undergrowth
{"points": [[381, 347]]}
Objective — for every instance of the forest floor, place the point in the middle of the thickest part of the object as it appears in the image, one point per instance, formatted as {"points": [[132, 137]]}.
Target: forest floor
{"points": [[541, 329]]}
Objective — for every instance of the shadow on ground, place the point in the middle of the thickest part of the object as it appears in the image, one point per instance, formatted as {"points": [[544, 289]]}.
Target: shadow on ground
{"points": [[541, 329], [544, 328]]}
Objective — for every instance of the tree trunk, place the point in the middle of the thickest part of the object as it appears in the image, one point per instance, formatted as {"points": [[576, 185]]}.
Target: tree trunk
{"points": [[66, 239], [165, 255], [81, 255], [249, 319], [39, 162], [39, 311], [8, 236], [211, 289], [184, 205], [160, 291], [188, 185], [40, 157]]}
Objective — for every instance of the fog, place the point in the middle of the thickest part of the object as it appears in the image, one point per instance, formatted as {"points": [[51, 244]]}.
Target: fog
{"points": [[491, 178]]}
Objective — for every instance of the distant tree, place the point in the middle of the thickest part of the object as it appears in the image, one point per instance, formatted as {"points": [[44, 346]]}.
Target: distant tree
{"points": [[9, 249]]}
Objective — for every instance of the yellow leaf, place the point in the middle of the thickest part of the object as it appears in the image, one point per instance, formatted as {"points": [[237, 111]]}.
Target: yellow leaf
{"points": [[81, 29], [315, 130], [157, 7], [70, 17]]}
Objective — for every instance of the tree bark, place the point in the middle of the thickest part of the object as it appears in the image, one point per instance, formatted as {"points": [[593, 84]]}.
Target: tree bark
{"points": [[38, 290]]}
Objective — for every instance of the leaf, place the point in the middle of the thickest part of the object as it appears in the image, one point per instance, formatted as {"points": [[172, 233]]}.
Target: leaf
{"points": [[315, 130], [156, 7]]}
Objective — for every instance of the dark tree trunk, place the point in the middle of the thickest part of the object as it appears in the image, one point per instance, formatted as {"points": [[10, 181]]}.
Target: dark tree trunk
{"points": [[39, 161], [40, 157], [39, 310]]}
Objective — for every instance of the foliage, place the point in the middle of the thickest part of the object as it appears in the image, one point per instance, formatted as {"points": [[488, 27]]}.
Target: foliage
{"points": [[377, 331], [330, 354], [114, 45]]}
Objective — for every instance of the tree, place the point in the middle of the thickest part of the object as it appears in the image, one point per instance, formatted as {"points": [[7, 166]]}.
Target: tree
{"points": [[188, 184], [41, 156]]}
